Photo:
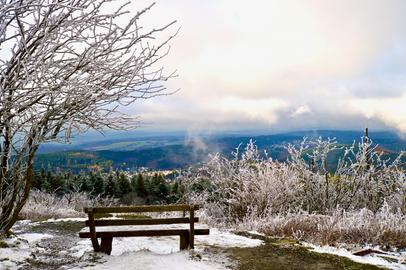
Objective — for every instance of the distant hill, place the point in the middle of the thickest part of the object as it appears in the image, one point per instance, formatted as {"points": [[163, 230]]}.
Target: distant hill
{"points": [[178, 151]]}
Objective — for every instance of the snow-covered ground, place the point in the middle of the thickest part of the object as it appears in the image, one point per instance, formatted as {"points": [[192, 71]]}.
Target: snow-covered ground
{"points": [[154, 253], [20, 249], [147, 260], [134, 252], [163, 252]]}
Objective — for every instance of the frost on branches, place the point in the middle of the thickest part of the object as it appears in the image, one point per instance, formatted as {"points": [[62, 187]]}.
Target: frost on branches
{"points": [[42, 205], [281, 197], [66, 66]]}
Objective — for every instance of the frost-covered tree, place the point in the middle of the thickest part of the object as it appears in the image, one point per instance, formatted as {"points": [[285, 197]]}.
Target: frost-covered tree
{"points": [[66, 66], [252, 185]]}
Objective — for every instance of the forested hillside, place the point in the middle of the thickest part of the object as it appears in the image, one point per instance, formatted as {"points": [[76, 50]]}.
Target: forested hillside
{"points": [[174, 152]]}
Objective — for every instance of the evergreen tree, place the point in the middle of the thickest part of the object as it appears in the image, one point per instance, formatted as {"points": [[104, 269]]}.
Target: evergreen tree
{"points": [[155, 182], [43, 173], [77, 182], [98, 185], [133, 182], [158, 189], [85, 186], [91, 178], [111, 187], [140, 186], [45, 186], [163, 191], [56, 183], [68, 185], [36, 180], [123, 184], [174, 194]]}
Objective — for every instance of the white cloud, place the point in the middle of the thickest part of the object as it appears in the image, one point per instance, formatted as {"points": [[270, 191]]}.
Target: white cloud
{"points": [[391, 111], [260, 63], [301, 110]]}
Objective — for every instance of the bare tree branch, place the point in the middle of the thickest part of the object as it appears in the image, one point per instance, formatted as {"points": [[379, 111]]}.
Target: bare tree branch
{"points": [[67, 66]]}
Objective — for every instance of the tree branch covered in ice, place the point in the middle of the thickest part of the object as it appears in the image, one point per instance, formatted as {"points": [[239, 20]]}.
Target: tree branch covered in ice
{"points": [[67, 66]]}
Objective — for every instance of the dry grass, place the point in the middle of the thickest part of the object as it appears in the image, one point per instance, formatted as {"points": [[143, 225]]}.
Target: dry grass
{"points": [[41, 205]]}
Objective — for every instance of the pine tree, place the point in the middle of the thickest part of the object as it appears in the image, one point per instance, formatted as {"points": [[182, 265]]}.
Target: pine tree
{"points": [[98, 185], [163, 191], [91, 178], [68, 184], [123, 184], [111, 189], [45, 186], [84, 186], [133, 182], [140, 186], [155, 185], [56, 183], [36, 180], [174, 194]]}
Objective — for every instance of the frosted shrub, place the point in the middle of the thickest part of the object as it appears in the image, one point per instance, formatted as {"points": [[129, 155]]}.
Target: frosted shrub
{"points": [[304, 196], [385, 228], [42, 205]]}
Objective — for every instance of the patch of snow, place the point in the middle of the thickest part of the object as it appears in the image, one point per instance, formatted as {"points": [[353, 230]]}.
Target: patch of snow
{"points": [[81, 248], [227, 239], [34, 237], [21, 225], [146, 260], [167, 244], [374, 259], [256, 233], [163, 252], [20, 249], [22, 222], [65, 219], [13, 255]]}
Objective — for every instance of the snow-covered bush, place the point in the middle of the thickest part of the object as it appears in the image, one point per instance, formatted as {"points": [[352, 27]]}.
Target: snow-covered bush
{"points": [[306, 190], [42, 205]]}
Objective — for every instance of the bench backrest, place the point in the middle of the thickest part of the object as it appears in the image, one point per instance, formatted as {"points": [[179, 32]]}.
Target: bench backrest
{"points": [[140, 209]]}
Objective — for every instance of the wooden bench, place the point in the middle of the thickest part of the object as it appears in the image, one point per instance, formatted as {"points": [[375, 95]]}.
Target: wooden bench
{"points": [[186, 235]]}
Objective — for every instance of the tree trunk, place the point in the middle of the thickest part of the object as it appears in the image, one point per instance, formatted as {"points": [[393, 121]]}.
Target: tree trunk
{"points": [[10, 216]]}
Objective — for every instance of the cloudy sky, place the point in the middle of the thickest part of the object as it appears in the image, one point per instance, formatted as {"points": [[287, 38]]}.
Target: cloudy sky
{"points": [[282, 65]]}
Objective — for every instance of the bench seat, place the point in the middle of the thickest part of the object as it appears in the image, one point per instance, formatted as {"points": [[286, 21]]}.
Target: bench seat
{"points": [[107, 236], [145, 233]]}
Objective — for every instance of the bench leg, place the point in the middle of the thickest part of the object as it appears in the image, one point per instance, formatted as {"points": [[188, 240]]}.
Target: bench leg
{"points": [[184, 241], [106, 245], [95, 244]]}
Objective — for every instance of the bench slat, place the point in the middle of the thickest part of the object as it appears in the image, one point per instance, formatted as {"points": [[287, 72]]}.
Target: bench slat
{"points": [[141, 208], [157, 221], [144, 233]]}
